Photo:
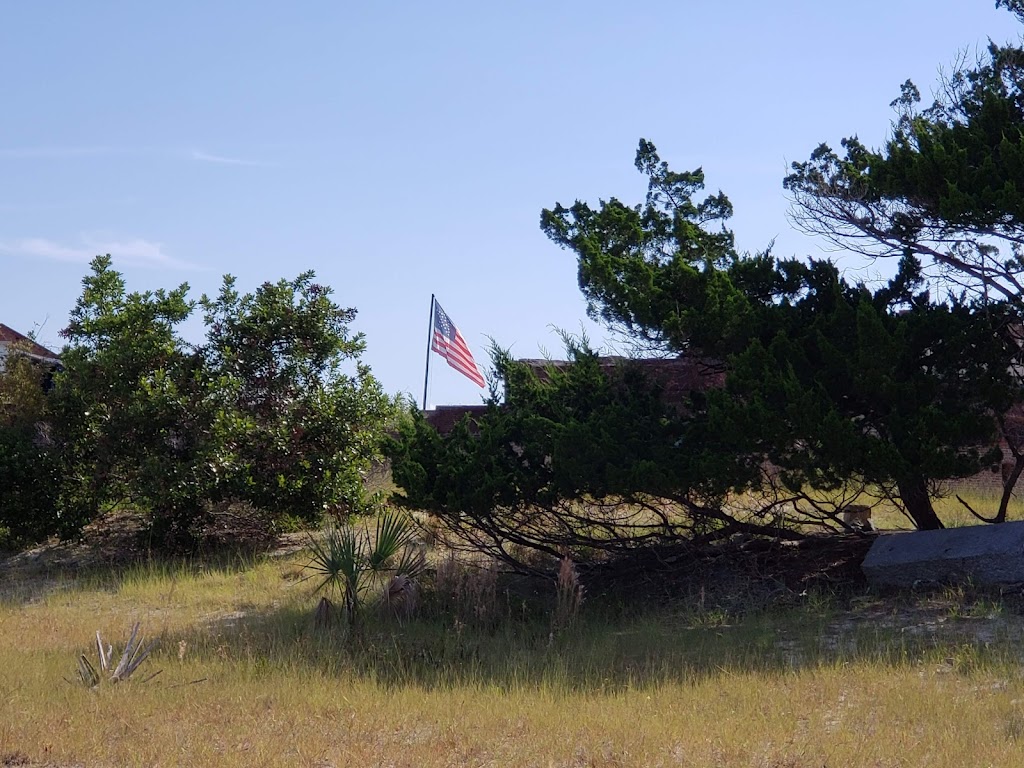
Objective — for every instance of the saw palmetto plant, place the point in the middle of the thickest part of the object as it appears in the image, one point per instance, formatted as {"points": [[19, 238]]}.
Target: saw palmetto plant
{"points": [[349, 561]]}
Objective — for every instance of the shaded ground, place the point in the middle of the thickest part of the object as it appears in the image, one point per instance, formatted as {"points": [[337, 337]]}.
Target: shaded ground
{"points": [[740, 572], [118, 541], [749, 576], [732, 578]]}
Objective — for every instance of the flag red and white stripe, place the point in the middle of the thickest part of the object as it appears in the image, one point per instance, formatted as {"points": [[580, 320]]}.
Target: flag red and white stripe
{"points": [[449, 344]]}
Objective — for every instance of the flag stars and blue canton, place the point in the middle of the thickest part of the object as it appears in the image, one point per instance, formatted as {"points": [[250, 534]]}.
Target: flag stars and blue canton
{"points": [[449, 344]]}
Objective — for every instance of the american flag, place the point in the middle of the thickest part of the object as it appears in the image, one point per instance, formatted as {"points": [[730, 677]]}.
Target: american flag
{"points": [[449, 344]]}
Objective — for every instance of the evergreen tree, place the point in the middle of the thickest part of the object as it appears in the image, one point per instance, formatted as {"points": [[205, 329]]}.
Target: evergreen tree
{"points": [[827, 381], [947, 187]]}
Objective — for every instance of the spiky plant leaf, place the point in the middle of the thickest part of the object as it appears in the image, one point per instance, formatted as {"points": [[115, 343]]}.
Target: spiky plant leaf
{"points": [[337, 559], [87, 672], [412, 563], [104, 655], [394, 533], [129, 652]]}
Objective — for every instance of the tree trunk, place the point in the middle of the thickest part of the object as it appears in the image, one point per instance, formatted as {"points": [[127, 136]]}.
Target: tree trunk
{"points": [[914, 495], [1011, 471]]}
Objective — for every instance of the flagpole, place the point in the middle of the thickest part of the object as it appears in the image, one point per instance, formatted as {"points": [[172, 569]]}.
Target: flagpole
{"points": [[430, 334]]}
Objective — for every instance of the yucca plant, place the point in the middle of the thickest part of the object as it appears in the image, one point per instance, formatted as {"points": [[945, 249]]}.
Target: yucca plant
{"points": [[131, 659], [349, 560]]}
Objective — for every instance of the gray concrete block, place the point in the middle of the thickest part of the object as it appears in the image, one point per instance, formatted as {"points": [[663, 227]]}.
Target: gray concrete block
{"points": [[985, 554]]}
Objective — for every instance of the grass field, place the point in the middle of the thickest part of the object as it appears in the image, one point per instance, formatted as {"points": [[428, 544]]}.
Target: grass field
{"points": [[953, 514], [246, 680]]}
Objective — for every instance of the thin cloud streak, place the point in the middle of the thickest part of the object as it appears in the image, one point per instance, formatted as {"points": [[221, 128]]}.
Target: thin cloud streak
{"points": [[135, 252], [207, 157]]}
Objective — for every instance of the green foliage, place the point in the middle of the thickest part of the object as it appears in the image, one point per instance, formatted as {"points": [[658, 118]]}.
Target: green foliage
{"points": [[586, 460], [347, 559], [28, 510], [23, 400], [297, 428], [661, 274], [946, 187], [853, 389], [829, 383], [28, 464], [126, 414], [646, 269], [265, 411]]}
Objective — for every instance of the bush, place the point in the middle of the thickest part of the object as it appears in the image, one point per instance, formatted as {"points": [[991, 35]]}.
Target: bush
{"points": [[274, 412], [28, 498], [28, 467]]}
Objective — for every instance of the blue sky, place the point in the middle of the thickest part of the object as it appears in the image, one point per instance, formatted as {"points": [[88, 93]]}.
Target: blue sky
{"points": [[400, 149]]}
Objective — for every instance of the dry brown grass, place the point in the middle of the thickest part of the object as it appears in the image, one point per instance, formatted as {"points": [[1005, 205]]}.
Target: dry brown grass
{"points": [[818, 717], [954, 514], [568, 596], [885, 516], [247, 681]]}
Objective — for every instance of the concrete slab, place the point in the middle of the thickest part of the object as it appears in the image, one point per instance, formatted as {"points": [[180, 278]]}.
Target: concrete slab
{"points": [[984, 554]]}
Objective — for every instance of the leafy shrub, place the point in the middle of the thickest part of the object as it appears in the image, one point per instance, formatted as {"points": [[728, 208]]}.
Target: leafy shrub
{"points": [[28, 466], [261, 416], [28, 493]]}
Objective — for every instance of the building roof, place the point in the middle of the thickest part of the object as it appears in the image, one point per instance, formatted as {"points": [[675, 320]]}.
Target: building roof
{"points": [[443, 418], [678, 378], [9, 336]]}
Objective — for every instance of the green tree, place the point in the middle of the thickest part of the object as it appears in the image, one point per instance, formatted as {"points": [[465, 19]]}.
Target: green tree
{"points": [[887, 388], [827, 381], [587, 460], [665, 273], [298, 416], [127, 429], [894, 387], [945, 187], [264, 411], [832, 385]]}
